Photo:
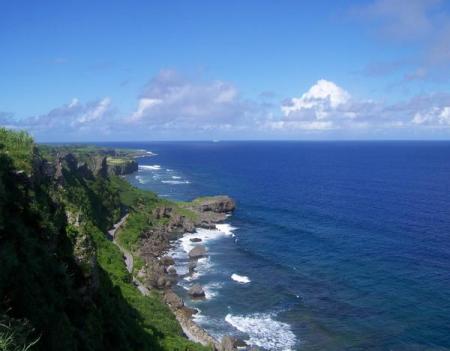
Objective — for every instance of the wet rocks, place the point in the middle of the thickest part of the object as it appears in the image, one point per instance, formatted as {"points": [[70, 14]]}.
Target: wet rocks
{"points": [[196, 291], [192, 265], [195, 240], [197, 252]]}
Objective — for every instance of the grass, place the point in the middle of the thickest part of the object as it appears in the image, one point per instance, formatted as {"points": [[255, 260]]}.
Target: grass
{"points": [[117, 161], [156, 318], [19, 146]]}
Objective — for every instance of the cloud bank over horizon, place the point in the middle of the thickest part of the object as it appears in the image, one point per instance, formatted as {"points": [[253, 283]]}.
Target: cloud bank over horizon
{"points": [[170, 104]]}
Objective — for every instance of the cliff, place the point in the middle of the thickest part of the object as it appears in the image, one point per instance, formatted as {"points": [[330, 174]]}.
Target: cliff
{"points": [[63, 282], [96, 159]]}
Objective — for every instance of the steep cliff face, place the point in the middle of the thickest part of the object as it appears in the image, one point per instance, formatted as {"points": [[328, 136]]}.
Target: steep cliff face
{"points": [[62, 282], [120, 166]]}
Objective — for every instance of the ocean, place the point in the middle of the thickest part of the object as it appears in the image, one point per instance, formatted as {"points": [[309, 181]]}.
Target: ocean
{"points": [[333, 246]]}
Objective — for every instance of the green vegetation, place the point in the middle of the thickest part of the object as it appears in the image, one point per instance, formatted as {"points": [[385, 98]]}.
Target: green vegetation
{"points": [[141, 205], [63, 283], [15, 335], [117, 161], [19, 146]]}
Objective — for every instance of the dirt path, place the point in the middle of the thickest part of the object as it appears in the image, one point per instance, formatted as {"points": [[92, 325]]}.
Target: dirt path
{"points": [[128, 257]]}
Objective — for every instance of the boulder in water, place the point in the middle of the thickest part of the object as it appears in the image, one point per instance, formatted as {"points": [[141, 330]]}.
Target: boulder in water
{"points": [[197, 252], [196, 291]]}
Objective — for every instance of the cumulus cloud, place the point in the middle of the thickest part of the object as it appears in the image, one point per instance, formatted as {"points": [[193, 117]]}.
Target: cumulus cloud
{"points": [[324, 106], [170, 100], [328, 107], [318, 102]]}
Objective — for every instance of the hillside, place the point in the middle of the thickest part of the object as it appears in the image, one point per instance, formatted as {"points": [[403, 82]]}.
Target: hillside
{"points": [[63, 282]]}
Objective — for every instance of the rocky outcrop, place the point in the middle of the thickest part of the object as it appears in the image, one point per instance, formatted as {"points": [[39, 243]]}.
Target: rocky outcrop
{"points": [[212, 209], [173, 300], [230, 343], [122, 168], [167, 261], [217, 204], [227, 343], [197, 252], [196, 291], [155, 275], [85, 257], [68, 163], [177, 223]]}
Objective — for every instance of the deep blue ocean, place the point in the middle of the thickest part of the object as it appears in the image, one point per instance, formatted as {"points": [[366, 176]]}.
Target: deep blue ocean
{"points": [[346, 245]]}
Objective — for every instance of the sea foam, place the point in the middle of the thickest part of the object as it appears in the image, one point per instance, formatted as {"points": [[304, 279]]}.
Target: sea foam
{"points": [[263, 331], [174, 182], [240, 278], [226, 229], [150, 167]]}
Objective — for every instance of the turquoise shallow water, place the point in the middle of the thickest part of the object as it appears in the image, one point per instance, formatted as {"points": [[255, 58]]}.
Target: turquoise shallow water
{"points": [[346, 244]]}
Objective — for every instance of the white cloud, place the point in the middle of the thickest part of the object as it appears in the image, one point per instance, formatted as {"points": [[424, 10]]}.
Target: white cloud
{"points": [[318, 108], [328, 107], [321, 96], [171, 101], [94, 113], [144, 105], [172, 107], [434, 117], [72, 118]]}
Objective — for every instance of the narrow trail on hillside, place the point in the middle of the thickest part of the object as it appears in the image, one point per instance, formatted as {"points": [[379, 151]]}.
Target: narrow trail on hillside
{"points": [[128, 257]]}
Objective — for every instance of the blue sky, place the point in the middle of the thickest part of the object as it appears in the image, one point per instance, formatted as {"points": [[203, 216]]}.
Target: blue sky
{"points": [[147, 70]]}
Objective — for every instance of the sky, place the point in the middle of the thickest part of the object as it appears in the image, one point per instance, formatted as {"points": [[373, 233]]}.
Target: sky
{"points": [[229, 70]]}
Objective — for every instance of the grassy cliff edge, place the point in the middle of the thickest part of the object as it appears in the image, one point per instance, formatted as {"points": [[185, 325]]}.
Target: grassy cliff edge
{"points": [[63, 282]]}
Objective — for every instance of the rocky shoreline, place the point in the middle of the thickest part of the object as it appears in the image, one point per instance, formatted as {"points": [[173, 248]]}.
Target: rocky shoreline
{"points": [[158, 272]]}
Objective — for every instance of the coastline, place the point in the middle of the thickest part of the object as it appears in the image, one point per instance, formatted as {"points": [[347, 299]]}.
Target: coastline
{"points": [[183, 313], [159, 273]]}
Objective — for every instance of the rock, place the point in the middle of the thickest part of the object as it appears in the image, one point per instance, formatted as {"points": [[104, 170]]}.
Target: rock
{"points": [[172, 271], [167, 261], [195, 240], [121, 166], [196, 291], [227, 344], [161, 282], [219, 204], [210, 222], [192, 265], [197, 252], [162, 212], [238, 343], [173, 300], [189, 312]]}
